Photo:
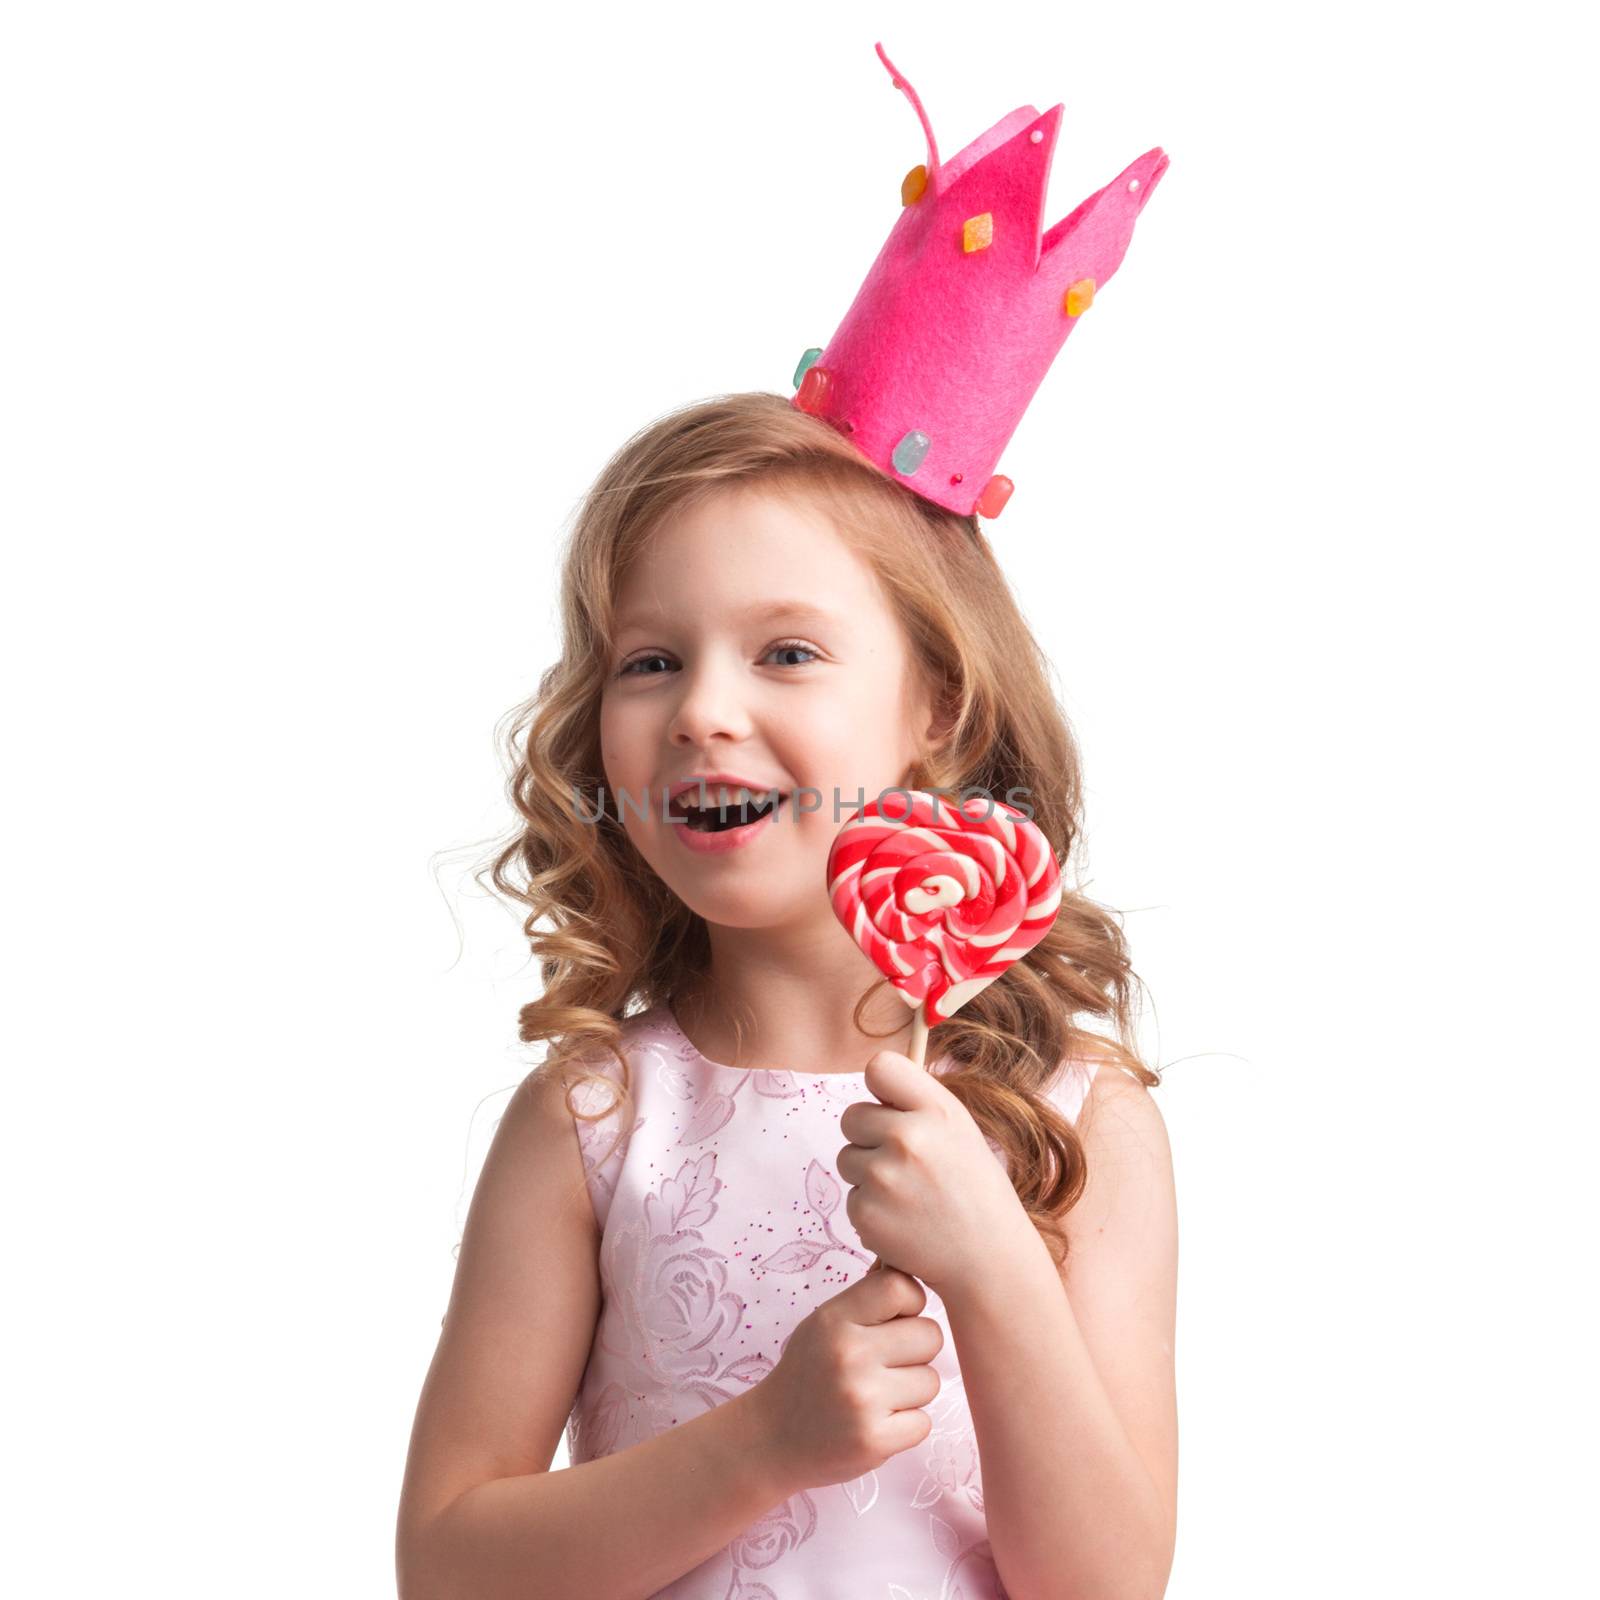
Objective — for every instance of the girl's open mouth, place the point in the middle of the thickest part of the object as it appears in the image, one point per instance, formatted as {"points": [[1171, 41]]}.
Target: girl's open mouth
{"points": [[713, 829], [719, 819]]}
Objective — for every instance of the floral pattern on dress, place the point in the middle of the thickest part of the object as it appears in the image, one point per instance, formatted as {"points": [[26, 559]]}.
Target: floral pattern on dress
{"points": [[721, 1228], [803, 1252], [670, 1310]]}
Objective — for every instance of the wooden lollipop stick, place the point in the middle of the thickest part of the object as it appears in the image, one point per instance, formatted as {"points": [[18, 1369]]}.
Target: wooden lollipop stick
{"points": [[919, 1037]]}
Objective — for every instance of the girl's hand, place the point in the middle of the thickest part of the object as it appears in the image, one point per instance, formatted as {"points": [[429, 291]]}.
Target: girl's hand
{"points": [[849, 1386], [926, 1191]]}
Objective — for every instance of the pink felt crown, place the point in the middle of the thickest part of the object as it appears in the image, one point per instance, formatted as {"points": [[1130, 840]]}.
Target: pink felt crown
{"points": [[966, 306]]}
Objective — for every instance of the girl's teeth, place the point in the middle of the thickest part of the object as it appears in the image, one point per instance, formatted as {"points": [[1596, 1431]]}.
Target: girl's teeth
{"points": [[725, 796], [716, 818]]}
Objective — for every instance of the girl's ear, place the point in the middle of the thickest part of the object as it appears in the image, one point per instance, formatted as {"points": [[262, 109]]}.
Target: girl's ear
{"points": [[936, 723], [941, 712], [932, 720]]}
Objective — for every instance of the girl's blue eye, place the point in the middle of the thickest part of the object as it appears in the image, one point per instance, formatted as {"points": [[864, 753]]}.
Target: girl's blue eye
{"points": [[626, 670], [794, 644]]}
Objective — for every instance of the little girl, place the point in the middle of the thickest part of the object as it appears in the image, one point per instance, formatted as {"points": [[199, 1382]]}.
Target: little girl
{"points": [[775, 612], [667, 1253]]}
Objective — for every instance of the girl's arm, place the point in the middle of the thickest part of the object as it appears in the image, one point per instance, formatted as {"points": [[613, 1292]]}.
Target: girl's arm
{"points": [[623, 1526], [1071, 1384], [481, 1515]]}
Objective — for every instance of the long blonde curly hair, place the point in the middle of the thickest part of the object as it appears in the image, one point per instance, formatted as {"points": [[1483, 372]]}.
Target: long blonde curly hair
{"points": [[612, 939]]}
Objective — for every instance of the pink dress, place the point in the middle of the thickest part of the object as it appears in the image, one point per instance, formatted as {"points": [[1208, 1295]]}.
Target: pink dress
{"points": [[723, 1225]]}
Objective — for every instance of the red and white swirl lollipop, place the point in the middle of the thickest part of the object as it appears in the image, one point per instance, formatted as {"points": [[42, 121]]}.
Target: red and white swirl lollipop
{"points": [[942, 898]]}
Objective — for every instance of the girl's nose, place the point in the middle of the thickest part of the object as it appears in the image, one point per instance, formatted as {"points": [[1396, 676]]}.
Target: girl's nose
{"points": [[710, 705]]}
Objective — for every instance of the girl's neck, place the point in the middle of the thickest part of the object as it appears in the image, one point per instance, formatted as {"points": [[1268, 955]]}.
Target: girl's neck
{"points": [[797, 1011]]}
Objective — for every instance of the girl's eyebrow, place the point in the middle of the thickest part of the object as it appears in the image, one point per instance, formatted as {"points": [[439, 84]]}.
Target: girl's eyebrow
{"points": [[762, 611]]}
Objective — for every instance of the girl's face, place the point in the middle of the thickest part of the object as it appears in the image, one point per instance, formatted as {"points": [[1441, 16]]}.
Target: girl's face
{"points": [[752, 640]]}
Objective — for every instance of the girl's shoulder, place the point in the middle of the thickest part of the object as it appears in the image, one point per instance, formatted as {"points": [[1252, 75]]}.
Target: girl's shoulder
{"points": [[594, 1075], [1068, 1087], [636, 1033], [1091, 1073], [606, 1119]]}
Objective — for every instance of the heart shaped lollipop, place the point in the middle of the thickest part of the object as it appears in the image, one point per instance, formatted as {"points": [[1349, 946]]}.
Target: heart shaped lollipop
{"points": [[942, 898]]}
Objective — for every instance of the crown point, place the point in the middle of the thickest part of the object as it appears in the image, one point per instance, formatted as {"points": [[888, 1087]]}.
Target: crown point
{"points": [[995, 494], [977, 233], [807, 361], [1079, 297], [913, 185], [816, 387], [909, 452]]}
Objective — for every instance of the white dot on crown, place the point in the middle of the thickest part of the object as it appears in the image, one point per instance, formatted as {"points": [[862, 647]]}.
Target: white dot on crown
{"points": [[1036, 136], [1133, 185]]}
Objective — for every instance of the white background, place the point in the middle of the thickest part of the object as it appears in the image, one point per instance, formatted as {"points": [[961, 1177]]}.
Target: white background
{"points": [[317, 321]]}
